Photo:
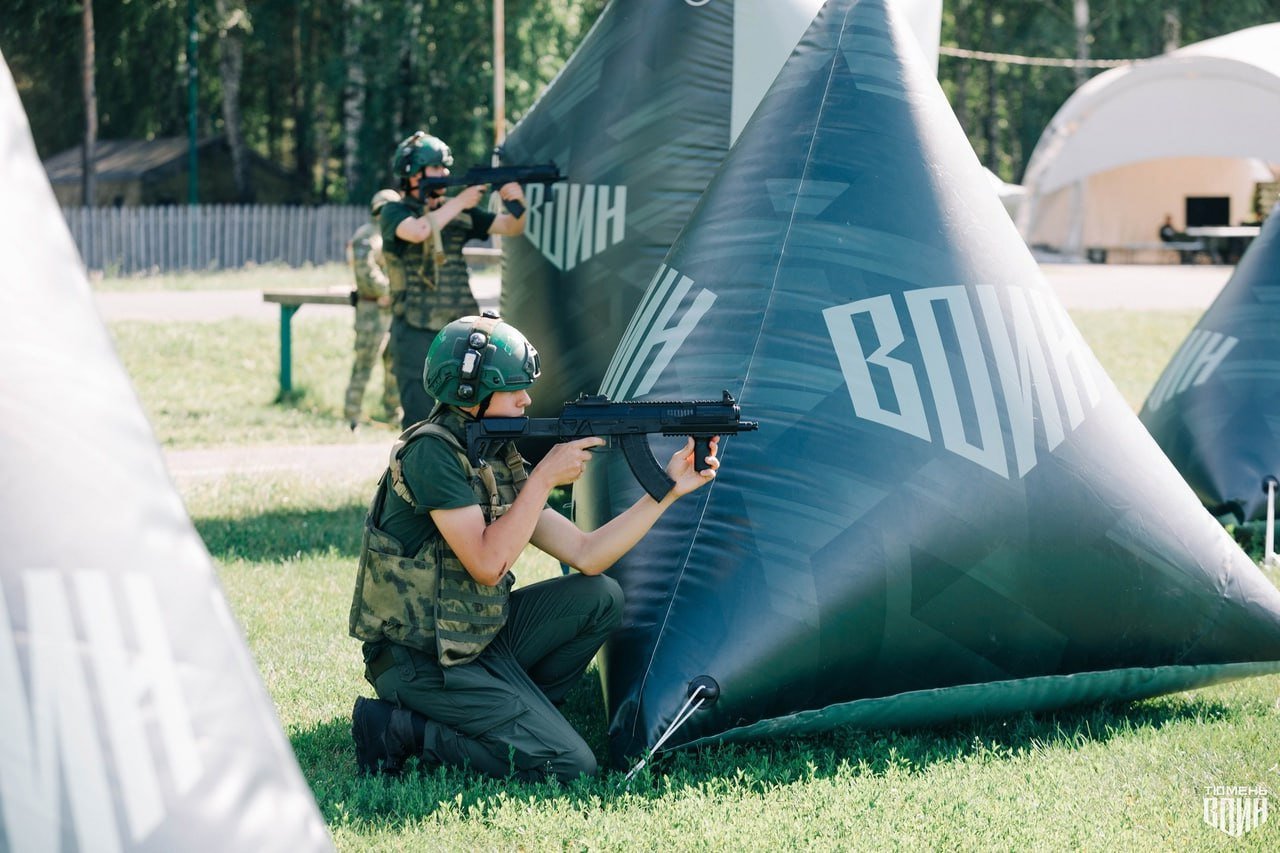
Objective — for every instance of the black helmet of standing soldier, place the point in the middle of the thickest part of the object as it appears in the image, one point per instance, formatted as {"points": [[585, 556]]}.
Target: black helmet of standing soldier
{"points": [[380, 199], [417, 153], [474, 356]]}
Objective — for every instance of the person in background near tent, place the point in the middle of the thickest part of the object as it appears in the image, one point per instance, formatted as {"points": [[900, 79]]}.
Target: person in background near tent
{"points": [[1169, 234], [469, 671], [372, 300], [423, 235]]}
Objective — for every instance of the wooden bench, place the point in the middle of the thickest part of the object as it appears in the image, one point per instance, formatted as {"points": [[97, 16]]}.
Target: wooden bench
{"points": [[290, 301], [1179, 251]]}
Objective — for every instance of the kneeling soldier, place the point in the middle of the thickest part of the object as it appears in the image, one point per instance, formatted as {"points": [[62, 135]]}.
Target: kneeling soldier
{"points": [[469, 671]]}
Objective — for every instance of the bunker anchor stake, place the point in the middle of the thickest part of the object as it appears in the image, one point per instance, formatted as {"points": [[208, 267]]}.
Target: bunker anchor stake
{"points": [[703, 693]]}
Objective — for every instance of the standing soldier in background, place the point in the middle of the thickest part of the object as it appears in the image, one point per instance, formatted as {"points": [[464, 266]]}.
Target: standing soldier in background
{"points": [[422, 236], [372, 299]]}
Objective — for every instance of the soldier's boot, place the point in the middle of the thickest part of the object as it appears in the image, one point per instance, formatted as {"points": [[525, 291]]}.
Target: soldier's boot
{"points": [[385, 736]]}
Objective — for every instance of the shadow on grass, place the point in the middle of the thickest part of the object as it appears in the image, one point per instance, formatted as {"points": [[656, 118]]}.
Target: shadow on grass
{"points": [[327, 757], [284, 534], [289, 534]]}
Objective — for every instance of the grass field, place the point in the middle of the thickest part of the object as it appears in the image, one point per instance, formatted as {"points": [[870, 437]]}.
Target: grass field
{"points": [[1119, 776]]}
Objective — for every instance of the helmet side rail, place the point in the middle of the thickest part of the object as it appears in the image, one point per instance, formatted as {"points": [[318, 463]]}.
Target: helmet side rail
{"points": [[628, 421]]}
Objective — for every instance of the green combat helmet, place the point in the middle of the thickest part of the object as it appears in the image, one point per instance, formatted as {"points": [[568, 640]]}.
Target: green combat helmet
{"points": [[380, 198], [474, 356], [417, 153]]}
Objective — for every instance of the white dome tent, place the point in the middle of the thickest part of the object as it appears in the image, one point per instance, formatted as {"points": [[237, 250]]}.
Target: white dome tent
{"points": [[1135, 143]]}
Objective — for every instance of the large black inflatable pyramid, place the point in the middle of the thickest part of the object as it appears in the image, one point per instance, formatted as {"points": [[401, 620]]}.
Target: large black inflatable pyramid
{"points": [[133, 715], [948, 508], [1215, 411], [639, 119]]}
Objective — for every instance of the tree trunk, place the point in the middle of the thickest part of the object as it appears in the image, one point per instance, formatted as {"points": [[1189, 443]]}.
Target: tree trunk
{"points": [[990, 116], [961, 76], [1172, 30], [1081, 17], [88, 175], [232, 24], [353, 98], [302, 103]]}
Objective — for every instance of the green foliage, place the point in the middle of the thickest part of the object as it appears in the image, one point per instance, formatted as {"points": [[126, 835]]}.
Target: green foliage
{"points": [[1252, 536], [420, 64]]}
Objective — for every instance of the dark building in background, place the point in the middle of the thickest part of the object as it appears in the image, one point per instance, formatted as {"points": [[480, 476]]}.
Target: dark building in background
{"points": [[138, 172]]}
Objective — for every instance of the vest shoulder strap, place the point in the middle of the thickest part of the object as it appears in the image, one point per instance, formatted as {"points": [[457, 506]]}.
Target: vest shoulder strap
{"points": [[395, 468], [511, 456]]}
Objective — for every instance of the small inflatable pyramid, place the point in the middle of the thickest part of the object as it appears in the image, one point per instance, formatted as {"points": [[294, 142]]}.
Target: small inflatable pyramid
{"points": [[1215, 411], [948, 508], [134, 715]]}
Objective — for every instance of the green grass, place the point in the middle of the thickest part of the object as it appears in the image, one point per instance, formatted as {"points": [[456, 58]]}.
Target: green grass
{"points": [[212, 384], [1121, 776], [1135, 346]]}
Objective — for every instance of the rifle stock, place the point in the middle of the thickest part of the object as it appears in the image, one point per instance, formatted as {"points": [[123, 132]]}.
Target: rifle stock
{"points": [[629, 421]]}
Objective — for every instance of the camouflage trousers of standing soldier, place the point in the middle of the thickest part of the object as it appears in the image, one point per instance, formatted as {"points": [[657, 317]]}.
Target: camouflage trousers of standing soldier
{"points": [[498, 714], [373, 323]]}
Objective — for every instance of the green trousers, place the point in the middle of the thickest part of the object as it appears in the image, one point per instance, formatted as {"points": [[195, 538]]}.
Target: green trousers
{"points": [[498, 713], [409, 346]]}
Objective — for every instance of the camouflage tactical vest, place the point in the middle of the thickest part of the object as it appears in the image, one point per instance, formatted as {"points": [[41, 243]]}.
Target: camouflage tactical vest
{"points": [[428, 600], [365, 257], [427, 297]]}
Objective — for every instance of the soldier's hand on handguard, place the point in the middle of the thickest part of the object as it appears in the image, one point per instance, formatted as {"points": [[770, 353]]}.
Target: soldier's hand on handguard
{"points": [[511, 192], [681, 468], [565, 462]]}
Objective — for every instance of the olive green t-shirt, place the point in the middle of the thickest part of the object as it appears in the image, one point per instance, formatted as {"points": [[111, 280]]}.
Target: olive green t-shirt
{"points": [[435, 475]]}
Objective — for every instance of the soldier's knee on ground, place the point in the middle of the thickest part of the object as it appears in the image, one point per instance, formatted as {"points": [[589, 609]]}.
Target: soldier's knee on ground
{"points": [[578, 761], [442, 745], [610, 598]]}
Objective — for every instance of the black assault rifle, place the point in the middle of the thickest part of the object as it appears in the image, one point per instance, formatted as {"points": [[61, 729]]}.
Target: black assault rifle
{"points": [[627, 420], [544, 173]]}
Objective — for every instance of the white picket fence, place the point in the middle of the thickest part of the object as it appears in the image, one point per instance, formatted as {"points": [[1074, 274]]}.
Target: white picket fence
{"points": [[127, 240]]}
